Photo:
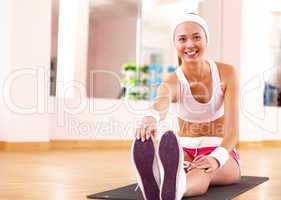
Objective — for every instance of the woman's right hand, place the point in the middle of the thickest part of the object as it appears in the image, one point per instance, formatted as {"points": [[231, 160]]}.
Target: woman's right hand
{"points": [[146, 129]]}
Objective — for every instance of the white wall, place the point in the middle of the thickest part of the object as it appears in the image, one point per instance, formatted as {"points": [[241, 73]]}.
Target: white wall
{"points": [[212, 12], [101, 119], [224, 19], [72, 46], [82, 43], [5, 59], [257, 121], [29, 26], [231, 32]]}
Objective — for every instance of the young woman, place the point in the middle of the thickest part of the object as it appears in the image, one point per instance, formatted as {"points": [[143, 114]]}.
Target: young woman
{"points": [[205, 94]]}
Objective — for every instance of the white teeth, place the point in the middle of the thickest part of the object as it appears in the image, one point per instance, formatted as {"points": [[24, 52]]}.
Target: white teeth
{"points": [[191, 53]]}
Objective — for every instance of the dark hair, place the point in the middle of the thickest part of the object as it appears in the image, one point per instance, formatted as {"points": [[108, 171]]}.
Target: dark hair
{"points": [[179, 61]]}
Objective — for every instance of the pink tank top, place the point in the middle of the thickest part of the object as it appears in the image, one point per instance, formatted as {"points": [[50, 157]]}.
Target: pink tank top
{"points": [[189, 109]]}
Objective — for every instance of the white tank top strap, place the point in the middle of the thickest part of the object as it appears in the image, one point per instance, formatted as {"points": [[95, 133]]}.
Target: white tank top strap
{"points": [[216, 77], [181, 76], [214, 69]]}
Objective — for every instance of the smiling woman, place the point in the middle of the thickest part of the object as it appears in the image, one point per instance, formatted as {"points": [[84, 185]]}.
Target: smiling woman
{"points": [[205, 92]]}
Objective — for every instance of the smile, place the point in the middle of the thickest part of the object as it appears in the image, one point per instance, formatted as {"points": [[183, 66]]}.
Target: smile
{"points": [[191, 53]]}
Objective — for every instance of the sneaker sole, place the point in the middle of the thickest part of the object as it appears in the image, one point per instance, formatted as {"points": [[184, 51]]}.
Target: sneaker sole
{"points": [[169, 158], [143, 155]]}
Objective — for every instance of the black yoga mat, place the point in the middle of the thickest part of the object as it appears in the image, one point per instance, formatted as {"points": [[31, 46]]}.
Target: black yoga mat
{"points": [[217, 192]]}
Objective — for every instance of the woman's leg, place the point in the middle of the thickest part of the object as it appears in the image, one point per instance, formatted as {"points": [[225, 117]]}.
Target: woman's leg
{"points": [[198, 181], [228, 174]]}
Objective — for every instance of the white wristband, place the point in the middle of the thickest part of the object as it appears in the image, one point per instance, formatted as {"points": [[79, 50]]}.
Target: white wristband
{"points": [[153, 113], [221, 155]]}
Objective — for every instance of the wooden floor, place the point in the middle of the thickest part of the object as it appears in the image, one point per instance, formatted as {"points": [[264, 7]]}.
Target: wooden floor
{"points": [[73, 174]]}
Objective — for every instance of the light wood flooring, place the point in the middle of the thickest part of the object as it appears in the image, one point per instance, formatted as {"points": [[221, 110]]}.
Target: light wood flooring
{"points": [[73, 174]]}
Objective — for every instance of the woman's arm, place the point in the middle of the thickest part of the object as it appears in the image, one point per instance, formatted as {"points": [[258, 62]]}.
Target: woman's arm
{"points": [[231, 109], [230, 77], [220, 155], [166, 93]]}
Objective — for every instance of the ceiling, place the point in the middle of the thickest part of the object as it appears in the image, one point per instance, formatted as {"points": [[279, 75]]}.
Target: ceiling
{"points": [[154, 12]]}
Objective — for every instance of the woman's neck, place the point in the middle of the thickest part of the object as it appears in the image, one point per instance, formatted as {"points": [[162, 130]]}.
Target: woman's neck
{"points": [[196, 70]]}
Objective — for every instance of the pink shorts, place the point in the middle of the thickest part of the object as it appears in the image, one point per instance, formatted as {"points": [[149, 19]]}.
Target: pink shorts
{"points": [[195, 146], [193, 152]]}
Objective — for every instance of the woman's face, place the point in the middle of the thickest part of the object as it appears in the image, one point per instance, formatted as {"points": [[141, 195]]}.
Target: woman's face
{"points": [[190, 42]]}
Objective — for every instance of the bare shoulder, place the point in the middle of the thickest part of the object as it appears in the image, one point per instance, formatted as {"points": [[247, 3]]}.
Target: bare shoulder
{"points": [[227, 72]]}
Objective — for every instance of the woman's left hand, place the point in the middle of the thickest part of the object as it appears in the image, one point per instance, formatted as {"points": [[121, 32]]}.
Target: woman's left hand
{"points": [[208, 163]]}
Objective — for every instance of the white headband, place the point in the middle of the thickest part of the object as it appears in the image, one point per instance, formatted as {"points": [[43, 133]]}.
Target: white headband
{"points": [[188, 17]]}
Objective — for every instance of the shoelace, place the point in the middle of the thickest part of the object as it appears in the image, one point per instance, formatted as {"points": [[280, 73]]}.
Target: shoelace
{"points": [[198, 146], [186, 163], [137, 187]]}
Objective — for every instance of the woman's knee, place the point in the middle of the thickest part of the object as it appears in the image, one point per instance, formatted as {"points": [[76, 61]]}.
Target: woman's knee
{"points": [[196, 189], [227, 175], [203, 188], [236, 179], [197, 183], [233, 174]]}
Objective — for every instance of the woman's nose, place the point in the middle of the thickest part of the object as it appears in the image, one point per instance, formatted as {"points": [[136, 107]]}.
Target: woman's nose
{"points": [[189, 43]]}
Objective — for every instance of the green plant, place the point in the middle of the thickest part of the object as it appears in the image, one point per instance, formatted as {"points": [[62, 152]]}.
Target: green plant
{"points": [[129, 67]]}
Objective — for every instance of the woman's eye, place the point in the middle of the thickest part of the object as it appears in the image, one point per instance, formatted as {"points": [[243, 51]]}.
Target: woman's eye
{"points": [[181, 39], [197, 38]]}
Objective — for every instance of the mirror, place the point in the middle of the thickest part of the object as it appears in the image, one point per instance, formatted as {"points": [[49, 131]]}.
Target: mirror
{"points": [[117, 48], [122, 47], [272, 89], [111, 44], [129, 48]]}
